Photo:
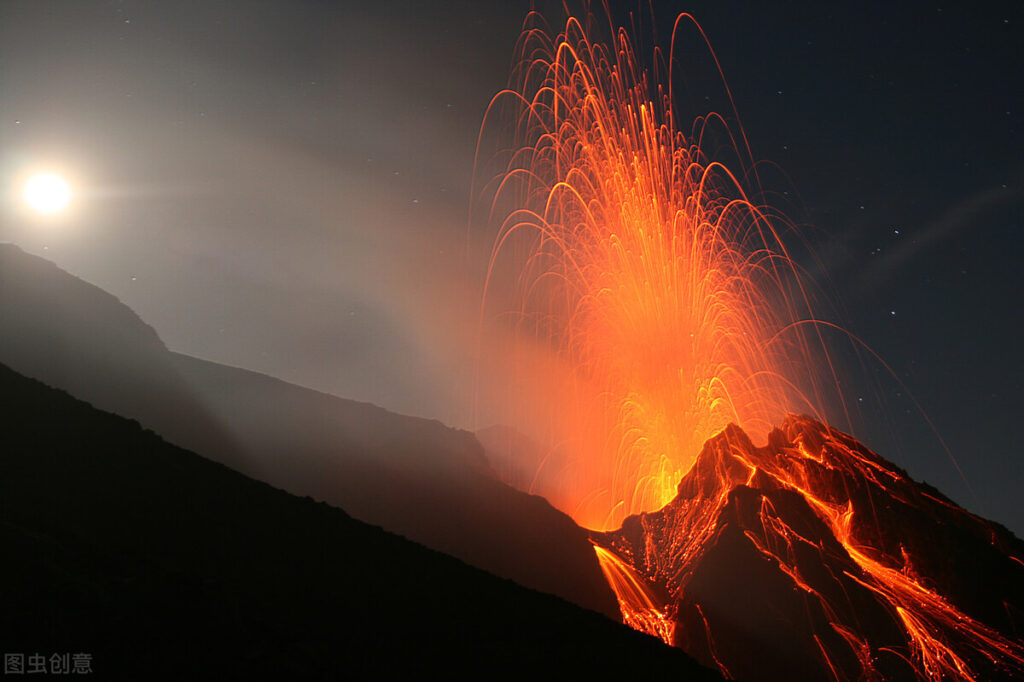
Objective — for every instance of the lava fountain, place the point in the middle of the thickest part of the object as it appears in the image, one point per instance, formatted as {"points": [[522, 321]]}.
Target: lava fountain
{"points": [[662, 298]]}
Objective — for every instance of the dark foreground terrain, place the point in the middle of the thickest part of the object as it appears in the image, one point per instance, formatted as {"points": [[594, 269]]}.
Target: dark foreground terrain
{"points": [[165, 565], [380, 467]]}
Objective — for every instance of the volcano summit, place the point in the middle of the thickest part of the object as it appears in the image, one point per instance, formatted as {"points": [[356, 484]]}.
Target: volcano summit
{"points": [[814, 558]]}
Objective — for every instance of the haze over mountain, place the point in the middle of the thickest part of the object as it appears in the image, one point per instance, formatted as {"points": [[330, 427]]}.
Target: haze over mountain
{"points": [[161, 564], [412, 476]]}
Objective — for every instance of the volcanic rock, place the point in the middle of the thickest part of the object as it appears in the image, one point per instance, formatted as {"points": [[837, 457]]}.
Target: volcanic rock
{"points": [[814, 558]]}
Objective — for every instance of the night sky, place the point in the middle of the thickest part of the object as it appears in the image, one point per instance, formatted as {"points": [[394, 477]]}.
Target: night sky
{"points": [[284, 186]]}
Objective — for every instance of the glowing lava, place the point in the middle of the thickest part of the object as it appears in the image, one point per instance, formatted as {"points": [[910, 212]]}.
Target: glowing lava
{"points": [[842, 565], [665, 296], [640, 608]]}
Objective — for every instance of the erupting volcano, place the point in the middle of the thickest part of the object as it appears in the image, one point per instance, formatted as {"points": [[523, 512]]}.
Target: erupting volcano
{"points": [[660, 317]]}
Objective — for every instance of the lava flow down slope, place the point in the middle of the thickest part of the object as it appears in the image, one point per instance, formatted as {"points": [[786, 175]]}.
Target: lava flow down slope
{"points": [[814, 558]]}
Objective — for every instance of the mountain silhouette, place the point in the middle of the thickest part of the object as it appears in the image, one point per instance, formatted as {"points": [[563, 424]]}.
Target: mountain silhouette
{"points": [[815, 558], [515, 457], [413, 476], [160, 564]]}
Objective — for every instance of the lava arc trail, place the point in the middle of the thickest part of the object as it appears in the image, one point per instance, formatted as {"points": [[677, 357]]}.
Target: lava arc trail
{"points": [[665, 299]]}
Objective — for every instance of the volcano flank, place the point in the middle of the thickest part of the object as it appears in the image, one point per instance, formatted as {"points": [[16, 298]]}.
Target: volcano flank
{"points": [[814, 558]]}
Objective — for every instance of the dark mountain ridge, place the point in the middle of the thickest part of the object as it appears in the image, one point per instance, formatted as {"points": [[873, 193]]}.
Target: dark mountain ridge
{"points": [[412, 476]]}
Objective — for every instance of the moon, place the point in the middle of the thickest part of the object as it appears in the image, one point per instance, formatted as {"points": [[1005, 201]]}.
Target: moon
{"points": [[47, 193]]}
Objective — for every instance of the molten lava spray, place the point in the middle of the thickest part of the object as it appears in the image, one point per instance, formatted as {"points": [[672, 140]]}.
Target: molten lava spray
{"points": [[661, 297]]}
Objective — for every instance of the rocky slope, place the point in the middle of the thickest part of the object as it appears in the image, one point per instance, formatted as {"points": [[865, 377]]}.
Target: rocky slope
{"points": [[814, 558]]}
